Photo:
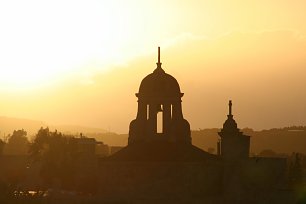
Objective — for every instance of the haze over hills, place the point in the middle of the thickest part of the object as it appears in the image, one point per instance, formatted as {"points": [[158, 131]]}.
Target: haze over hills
{"points": [[9, 124], [281, 140]]}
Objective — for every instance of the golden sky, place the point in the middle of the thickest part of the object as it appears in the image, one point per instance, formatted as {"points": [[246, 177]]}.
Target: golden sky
{"points": [[80, 62]]}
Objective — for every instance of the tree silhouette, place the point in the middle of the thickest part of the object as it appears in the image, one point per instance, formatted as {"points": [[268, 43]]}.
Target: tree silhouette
{"points": [[56, 155], [2, 144], [17, 143]]}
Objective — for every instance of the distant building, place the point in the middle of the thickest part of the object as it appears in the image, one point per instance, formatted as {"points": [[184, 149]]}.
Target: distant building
{"points": [[102, 150], [85, 146], [89, 147]]}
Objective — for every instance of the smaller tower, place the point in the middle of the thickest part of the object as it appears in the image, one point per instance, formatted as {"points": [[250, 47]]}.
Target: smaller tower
{"points": [[233, 144]]}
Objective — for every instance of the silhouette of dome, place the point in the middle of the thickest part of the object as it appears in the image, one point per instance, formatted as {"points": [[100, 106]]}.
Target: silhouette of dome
{"points": [[159, 115], [230, 124], [159, 83]]}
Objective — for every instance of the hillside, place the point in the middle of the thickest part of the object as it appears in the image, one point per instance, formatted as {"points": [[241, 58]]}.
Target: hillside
{"points": [[8, 125], [281, 140]]}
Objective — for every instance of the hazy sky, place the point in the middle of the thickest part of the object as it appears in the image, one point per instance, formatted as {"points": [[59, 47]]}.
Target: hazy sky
{"points": [[81, 62]]}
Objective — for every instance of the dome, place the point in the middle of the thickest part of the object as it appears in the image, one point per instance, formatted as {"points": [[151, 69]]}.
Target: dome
{"points": [[158, 84], [230, 124]]}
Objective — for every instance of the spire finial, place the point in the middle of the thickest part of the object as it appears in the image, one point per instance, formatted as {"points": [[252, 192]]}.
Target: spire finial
{"points": [[158, 54], [159, 63], [230, 108]]}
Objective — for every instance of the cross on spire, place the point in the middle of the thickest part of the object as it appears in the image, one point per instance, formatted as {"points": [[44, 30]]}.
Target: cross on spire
{"points": [[158, 54], [230, 108]]}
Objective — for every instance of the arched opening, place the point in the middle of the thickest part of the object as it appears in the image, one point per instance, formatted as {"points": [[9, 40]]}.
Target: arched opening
{"points": [[148, 109], [159, 123]]}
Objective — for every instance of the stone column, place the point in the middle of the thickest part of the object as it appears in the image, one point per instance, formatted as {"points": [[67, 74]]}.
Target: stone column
{"points": [[153, 118], [166, 118], [142, 110], [177, 110]]}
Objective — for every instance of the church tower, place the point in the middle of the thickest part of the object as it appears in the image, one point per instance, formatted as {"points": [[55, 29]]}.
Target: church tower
{"points": [[159, 116], [233, 145]]}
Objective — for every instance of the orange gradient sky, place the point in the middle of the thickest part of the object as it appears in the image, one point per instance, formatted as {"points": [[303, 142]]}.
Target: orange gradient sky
{"points": [[81, 62]]}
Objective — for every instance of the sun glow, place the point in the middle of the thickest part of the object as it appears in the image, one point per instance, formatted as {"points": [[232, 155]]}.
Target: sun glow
{"points": [[42, 43]]}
